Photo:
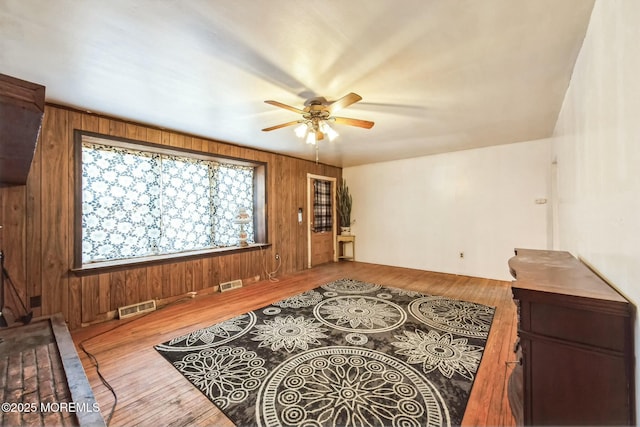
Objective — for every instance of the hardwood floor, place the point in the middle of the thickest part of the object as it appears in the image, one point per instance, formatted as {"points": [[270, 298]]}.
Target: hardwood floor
{"points": [[150, 392]]}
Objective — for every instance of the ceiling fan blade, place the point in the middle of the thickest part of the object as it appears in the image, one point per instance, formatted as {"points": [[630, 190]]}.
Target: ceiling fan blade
{"points": [[295, 122], [285, 106], [343, 102], [354, 122]]}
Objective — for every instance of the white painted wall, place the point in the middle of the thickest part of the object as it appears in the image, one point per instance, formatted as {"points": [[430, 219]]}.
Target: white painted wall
{"points": [[597, 147], [422, 212]]}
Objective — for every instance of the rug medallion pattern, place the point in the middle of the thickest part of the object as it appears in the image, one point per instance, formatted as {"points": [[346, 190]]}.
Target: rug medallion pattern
{"points": [[348, 353]]}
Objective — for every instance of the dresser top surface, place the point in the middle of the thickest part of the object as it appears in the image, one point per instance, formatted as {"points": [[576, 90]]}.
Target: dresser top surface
{"points": [[559, 272]]}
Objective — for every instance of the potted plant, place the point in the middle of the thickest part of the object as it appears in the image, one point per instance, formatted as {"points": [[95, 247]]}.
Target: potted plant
{"points": [[344, 208]]}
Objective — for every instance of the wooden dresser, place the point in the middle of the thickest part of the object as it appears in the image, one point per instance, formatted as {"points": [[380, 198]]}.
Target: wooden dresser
{"points": [[575, 344]]}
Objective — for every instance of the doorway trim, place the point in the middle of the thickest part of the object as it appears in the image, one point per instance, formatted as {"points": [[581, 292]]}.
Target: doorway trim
{"points": [[333, 180]]}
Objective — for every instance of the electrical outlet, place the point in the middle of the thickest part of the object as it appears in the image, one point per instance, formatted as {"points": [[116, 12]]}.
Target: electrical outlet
{"points": [[461, 254], [277, 257]]}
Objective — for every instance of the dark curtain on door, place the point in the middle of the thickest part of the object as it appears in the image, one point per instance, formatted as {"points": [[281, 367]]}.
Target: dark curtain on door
{"points": [[322, 220]]}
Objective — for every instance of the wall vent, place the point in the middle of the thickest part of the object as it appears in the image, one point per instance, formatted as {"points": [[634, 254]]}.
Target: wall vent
{"points": [[227, 286], [134, 309]]}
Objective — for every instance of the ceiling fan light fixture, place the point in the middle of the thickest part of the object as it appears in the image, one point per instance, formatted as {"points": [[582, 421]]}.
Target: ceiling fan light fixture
{"points": [[301, 130], [314, 126], [329, 131], [311, 137]]}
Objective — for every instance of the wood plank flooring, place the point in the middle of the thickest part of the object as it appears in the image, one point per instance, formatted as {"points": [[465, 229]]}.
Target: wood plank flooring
{"points": [[150, 392]]}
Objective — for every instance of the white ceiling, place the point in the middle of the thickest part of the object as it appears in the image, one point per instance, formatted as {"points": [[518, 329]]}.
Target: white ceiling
{"points": [[434, 75]]}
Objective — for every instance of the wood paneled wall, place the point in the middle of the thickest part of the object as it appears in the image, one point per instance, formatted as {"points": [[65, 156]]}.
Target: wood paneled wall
{"points": [[37, 238]]}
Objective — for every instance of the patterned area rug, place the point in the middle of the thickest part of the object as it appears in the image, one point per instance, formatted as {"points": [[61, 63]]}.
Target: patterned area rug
{"points": [[348, 353]]}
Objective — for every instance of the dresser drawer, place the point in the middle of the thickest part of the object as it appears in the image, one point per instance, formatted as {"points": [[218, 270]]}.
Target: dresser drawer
{"points": [[601, 330]]}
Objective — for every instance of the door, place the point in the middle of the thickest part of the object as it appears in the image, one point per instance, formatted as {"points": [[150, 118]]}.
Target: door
{"points": [[321, 214]]}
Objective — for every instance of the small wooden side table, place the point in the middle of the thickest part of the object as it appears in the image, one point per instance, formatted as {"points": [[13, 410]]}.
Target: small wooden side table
{"points": [[341, 241]]}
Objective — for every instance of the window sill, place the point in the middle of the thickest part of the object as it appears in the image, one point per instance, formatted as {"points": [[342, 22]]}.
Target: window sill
{"points": [[106, 266]]}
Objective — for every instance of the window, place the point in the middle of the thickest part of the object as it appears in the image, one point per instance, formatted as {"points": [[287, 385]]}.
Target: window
{"points": [[322, 219], [146, 200]]}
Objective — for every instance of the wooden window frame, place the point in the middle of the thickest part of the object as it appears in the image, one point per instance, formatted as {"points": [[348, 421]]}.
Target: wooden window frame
{"points": [[259, 203]]}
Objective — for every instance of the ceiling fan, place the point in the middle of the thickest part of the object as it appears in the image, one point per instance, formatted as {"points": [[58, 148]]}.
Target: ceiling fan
{"points": [[316, 115]]}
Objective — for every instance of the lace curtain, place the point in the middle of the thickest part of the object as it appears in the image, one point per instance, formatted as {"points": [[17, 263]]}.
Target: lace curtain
{"points": [[137, 203], [232, 189]]}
